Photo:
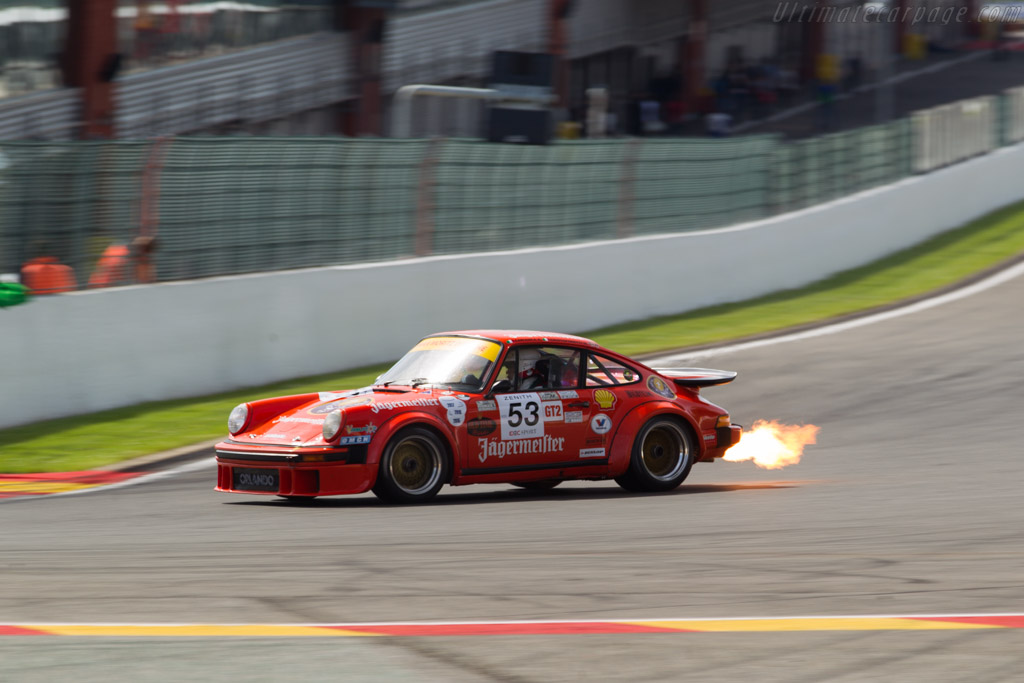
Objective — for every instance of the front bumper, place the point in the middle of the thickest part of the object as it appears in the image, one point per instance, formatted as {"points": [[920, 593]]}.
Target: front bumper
{"points": [[241, 473]]}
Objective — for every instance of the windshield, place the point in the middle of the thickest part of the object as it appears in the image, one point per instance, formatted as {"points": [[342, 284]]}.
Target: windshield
{"points": [[456, 362]]}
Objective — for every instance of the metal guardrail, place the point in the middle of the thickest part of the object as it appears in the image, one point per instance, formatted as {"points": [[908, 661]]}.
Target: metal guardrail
{"points": [[230, 205]]}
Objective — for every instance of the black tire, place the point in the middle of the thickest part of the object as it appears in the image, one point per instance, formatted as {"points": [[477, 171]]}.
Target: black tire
{"points": [[413, 467], [663, 454], [538, 485]]}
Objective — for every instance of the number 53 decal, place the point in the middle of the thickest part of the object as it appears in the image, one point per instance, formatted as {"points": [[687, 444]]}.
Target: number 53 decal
{"points": [[515, 417], [521, 416]]}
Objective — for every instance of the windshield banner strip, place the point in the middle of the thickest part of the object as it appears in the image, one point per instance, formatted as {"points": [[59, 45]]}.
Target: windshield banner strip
{"points": [[478, 347]]}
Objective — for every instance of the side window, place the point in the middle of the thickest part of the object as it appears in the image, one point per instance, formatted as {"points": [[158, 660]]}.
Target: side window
{"points": [[548, 367], [604, 372]]}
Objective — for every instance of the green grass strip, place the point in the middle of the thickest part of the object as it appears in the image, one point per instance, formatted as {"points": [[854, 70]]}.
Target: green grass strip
{"points": [[89, 441]]}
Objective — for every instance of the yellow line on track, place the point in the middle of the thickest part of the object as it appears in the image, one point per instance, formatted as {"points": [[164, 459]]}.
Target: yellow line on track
{"points": [[812, 624], [187, 630], [21, 486]]}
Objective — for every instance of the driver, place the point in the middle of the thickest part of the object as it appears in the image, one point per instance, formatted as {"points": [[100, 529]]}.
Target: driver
{"points": [[532, 374], [539, 370]]}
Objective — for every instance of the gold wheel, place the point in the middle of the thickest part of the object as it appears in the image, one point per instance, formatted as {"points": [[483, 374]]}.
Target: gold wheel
{"points": [[413, 467], [664, 452]]}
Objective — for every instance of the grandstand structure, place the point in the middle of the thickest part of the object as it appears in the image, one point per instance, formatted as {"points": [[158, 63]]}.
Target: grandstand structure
{"points": [[85, 69]]}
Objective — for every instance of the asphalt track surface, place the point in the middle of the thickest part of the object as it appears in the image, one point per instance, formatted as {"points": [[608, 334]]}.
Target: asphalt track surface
{"points": [[910, 504]]}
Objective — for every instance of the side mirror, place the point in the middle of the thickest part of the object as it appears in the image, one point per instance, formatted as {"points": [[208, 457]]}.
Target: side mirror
{"points": [[500, 387]]}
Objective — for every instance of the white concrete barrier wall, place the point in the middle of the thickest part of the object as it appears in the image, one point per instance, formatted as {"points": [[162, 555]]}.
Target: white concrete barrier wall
{"points": [[88, 351]]}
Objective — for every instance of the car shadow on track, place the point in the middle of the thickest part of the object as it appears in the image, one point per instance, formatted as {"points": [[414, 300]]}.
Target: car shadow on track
{"points": [[456, 496]]}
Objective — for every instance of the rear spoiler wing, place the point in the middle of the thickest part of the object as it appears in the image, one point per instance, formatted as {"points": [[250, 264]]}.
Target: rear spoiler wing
{"points": [[696, 378]]}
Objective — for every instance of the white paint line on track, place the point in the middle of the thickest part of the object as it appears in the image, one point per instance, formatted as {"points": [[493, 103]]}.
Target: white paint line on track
{"points": [[982, 285]]}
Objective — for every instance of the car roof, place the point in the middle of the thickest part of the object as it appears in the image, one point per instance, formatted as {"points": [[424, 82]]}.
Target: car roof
{"points": [[521, 336]]}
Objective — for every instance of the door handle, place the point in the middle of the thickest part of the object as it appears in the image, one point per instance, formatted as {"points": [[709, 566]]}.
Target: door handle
{"points": [[579, 404]]}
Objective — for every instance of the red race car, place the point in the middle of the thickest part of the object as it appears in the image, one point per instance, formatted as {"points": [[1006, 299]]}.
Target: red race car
{"points": [[531, 409]]}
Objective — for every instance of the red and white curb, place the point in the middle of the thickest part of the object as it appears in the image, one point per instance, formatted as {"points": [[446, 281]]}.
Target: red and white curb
{"points": [[12, 485], [51, 484]]}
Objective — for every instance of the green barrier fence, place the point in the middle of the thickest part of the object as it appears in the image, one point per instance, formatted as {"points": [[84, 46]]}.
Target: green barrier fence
{"points": [[224, 206]]}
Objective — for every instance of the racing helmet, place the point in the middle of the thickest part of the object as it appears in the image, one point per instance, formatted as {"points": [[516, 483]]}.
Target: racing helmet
{"points": [[538, 369]]}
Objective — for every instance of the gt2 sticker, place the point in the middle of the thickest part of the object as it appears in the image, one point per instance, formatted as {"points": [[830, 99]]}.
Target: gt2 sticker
{"points": [[601, 424], [481, 426], [573, 416], [658, 386], [521, 416], [456, 410], [591, 452], [552, 411], [605, 399]]}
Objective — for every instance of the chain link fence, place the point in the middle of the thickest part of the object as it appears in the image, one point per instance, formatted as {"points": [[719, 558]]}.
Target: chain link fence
{"points": [[816, 170], [225, 206]]}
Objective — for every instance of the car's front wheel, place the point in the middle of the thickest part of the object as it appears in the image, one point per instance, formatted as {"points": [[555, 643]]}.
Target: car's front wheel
{"points": [[662, 456], [413, 467]]}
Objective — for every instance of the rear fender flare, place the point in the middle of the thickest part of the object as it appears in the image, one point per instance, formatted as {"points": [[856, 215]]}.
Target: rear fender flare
{"points": [[621, 450]]}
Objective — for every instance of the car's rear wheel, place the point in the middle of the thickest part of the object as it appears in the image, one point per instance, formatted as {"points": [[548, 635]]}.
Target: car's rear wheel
{"points": [[538, 485], [663, 454], [413, 467]]}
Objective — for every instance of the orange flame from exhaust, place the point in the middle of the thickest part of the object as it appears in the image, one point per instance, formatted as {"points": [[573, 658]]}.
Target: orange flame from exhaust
{"points": [[772, 445]]}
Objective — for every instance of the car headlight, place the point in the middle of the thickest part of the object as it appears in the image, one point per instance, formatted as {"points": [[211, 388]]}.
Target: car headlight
{"points": [[332, 424], [238, 418]]}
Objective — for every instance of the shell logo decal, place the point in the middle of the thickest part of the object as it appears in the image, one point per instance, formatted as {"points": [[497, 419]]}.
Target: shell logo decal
{"points": [[605, 399]]}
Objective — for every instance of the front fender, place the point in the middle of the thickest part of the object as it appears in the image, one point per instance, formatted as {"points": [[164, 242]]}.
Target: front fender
{"points": [[622, 444], [388, 429]]}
